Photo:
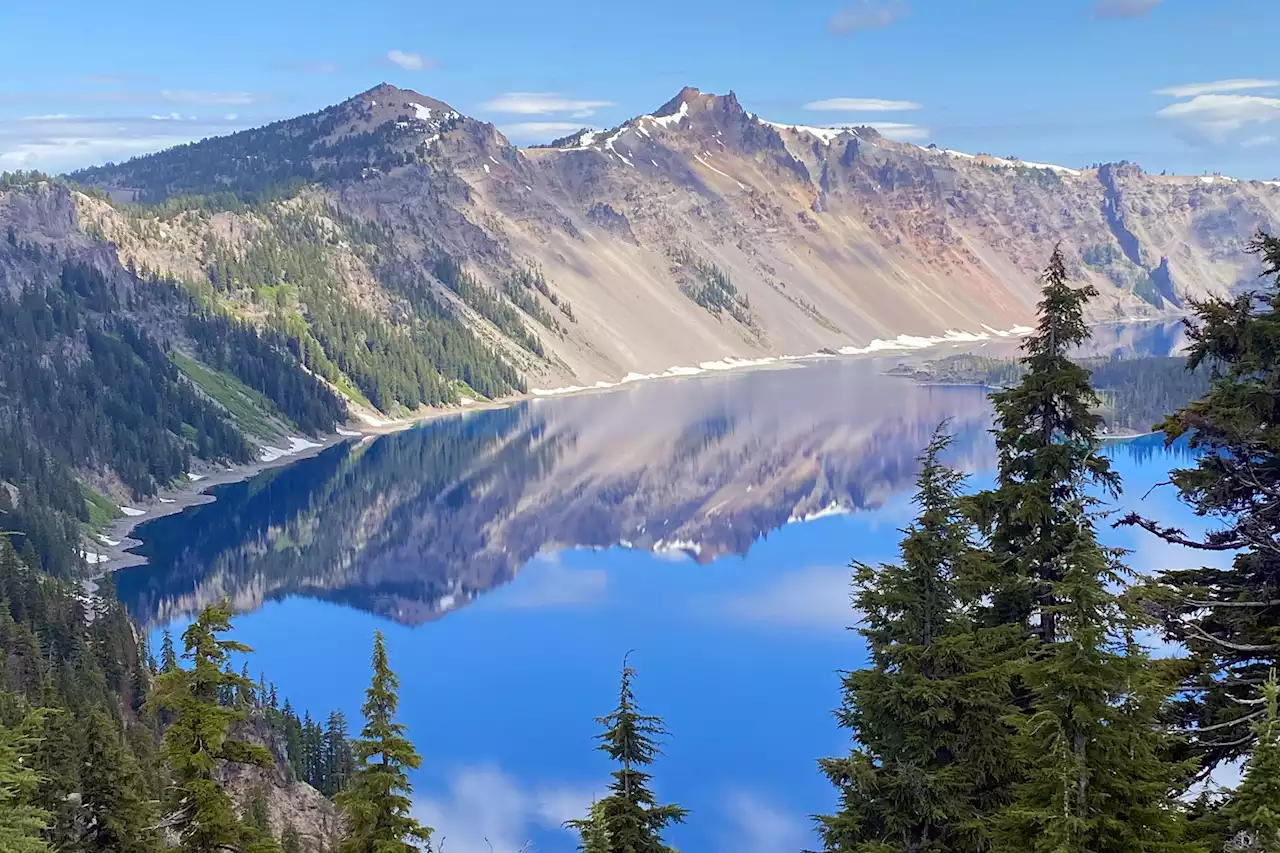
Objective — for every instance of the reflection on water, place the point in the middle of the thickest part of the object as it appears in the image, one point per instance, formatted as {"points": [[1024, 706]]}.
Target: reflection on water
{"points": [[653, 518]]}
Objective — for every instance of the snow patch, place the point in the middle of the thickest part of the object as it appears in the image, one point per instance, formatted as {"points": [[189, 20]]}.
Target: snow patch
{"points": [[494, 162], [830, 509], [296, 445], [110, 543], [466, 401], [131, 512], [486, 168], [348, 433], [676, 545], [718, 172], [421, 111], [167, 501], [826, 134], [195, 478], [674, 119], [92, 558]]}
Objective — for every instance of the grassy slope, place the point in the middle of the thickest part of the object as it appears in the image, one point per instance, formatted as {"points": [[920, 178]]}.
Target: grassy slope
{"points": [[252, 412]]}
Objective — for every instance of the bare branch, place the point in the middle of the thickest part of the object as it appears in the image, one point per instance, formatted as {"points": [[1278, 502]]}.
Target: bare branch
{"points": [[1196, 631], [1175, 535]]}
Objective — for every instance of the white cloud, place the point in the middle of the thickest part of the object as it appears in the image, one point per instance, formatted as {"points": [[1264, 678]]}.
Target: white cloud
{"points": [[862, 105], [900, 131], [866, 15], [1217, 87], [1124, 8], [538, 131], [59, 143], [547, 582], [409, 61], [217, 99], [1259, 141], [754, 825], [487, 810], [814, 598], [542, 104], [1217, 117]]}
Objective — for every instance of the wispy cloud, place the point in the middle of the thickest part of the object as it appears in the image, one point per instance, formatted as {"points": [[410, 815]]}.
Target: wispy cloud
{"points": [[58, 143], [543, 104], [209, 99], [755, 825], [867, 15], [1259, 141], [864, 105], [485, 809], [409, 61], [547, 582], [815, 598], [1217, 87], [538, 131], [1217, 118], [1112, 9]]}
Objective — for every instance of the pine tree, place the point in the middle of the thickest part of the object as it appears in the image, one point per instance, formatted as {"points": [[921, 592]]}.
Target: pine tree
{"points": [[21, 820], [1098, 776], [629, 819], [932, 758], [118, 812], [376, 804], [196, 740], [168, 660], [1254, 810], [1229, 618], [337, 755]]}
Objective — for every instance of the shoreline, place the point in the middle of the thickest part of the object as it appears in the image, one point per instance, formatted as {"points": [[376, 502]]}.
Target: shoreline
{"points": [[118, 554]]}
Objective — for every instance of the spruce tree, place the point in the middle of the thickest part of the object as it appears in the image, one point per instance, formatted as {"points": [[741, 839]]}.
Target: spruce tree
{"points": [[376, 805], [1096, 760], [1253, 812], [1229, 618], [21, 820], [168, 659], [932, 757], [629, 819], [197, 738], [119, 815]]}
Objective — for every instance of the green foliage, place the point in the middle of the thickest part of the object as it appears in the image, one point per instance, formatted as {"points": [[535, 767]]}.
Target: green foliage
{"points": [[1228, 617], [252, 412], [629, 819], [22, 820], [376, 804], [1254, 810], [100, 509], [931, 761], [712, 288], [1098, 775], [200, 811], [486, 302], [116, 812]]}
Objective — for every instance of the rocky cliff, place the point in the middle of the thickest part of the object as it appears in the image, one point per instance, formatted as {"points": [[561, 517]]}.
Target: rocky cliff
{"points": [[698, 232]]}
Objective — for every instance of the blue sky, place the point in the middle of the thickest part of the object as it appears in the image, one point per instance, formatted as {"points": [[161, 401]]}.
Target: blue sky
{"points": [[1184, 85]]}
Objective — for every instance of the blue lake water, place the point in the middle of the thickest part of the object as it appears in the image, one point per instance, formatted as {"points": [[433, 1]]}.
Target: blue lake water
{"points": [[513, 557]]}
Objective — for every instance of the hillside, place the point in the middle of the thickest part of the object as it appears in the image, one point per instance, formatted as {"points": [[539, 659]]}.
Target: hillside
{"points": [[179, 312]]}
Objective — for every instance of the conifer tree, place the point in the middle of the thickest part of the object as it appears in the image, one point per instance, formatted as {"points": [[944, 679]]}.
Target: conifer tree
{"points": [[1097, 771], [1253, 812], [1229, 618], [375, 806], [168, 660], [932, 759], [197, 739], [119, 816], [337, 755], [629, 819], [21, 820]]}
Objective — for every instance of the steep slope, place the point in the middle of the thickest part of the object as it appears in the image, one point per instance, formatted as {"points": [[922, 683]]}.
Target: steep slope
{"points": [[695, 233]]}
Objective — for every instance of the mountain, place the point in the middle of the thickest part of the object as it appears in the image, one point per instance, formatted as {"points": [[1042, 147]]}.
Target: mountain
{"points": [[390, 253]]}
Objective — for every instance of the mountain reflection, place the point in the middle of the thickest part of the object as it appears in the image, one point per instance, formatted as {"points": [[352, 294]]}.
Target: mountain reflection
{"points": [[414, 524]]}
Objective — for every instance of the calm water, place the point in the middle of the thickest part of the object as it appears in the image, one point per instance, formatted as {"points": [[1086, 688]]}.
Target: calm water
{"points": [[512, 558]]}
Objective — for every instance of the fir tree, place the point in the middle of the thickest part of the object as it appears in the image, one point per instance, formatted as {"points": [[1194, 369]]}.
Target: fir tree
{"points": [[376, 804], [1097, 772], [337, 755], [932, 759], [21, 820], [1229, 618], [1253, 812], [168, 660], [119, 816], [196, 740], [629, 819]]}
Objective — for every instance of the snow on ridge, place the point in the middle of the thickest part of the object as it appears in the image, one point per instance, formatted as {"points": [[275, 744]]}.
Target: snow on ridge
{"points": [[1005, 161], [826, 134], [675, 118], [676, 545], [833, 508]]}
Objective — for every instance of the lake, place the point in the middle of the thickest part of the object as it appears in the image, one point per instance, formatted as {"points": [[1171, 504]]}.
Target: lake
{"points": [[513, 556]]}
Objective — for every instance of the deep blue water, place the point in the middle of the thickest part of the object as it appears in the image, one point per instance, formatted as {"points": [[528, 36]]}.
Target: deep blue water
{"points": [[513, 557]]}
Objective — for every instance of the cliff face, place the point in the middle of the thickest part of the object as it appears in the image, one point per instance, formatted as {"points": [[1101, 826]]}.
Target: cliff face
{"points": [[697, 232]]}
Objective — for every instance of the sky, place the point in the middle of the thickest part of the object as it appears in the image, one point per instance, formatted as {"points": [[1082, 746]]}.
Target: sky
{"points": [[1187, 86]]}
